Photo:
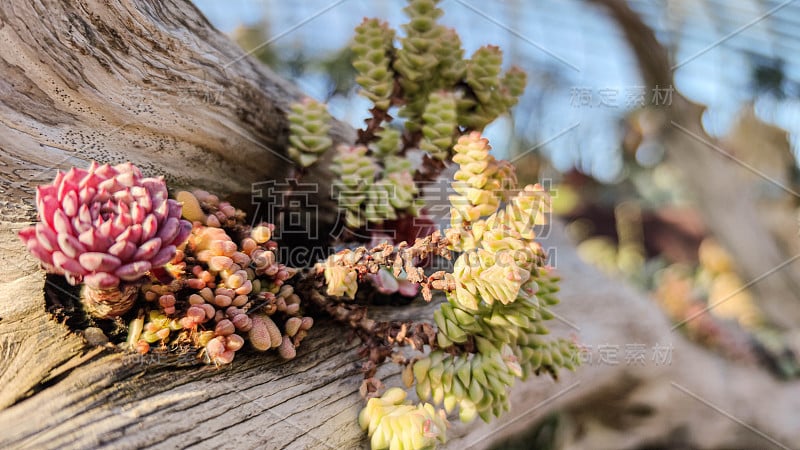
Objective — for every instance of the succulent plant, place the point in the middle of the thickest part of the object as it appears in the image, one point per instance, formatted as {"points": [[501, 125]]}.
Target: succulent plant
{"points": [[223, 291], [483, 71], [398, 180], [440, 125], [451, 67], [373, 50], [309, 123], [512, 86], [356, 171], [416, 60], [392, 422], [477, 181], [388, 143], [106, 227], [489, 331]]}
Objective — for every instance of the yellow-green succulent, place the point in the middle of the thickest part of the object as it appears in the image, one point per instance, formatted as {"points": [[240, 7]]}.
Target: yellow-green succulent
{"points": [[394, 423], [309, 124], [373, 51]]}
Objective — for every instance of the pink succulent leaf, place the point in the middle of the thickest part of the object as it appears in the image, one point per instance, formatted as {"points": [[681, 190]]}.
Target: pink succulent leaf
{"points": [[70, 204], [101, 280], [104, 227], [89, 181], [122, 222], [46, 237], [128, 167], [105, 171], [79, 226], [164, 256], [133, 271], [149, 227], [174, 208], [126, 179], [161, 209], [70, 245], [46, 203], [123, 250], [385, 282], [72, 178], [138, 213], [67, 264], [99, 262], [61, 223], [58, 180], [169, 230], [28, 233], [407, 288], [109, 186], [132, 234], [86, 194], [183, 233], [148, 249], [145, 203], [35, 248]]}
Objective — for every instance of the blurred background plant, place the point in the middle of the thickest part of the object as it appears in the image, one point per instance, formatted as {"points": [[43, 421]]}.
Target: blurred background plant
{"points": [[677, 174]]}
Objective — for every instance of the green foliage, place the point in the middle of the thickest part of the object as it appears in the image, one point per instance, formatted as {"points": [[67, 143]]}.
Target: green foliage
{"points": [[490, 330], [389, 143], [373, 51], [392, 422], [356, 171], [440, 95], [500, 298], [428, 61], [439, 126], [309, 124]]}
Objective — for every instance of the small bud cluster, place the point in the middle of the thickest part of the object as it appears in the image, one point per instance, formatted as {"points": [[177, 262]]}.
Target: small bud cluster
{"points": [[416, 60], [479, 181], [500, 294], [224, 291], [393, 423], [205, 208], [509, 344]]}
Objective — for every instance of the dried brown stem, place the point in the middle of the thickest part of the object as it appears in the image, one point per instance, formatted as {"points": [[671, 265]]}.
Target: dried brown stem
{"points": [[369, 134]]}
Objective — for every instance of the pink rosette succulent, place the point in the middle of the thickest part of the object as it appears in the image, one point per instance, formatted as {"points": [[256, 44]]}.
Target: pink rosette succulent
{"points": [[107, 227]]}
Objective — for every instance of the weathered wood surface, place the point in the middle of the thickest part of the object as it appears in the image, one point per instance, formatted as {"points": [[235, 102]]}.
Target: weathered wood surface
{"points": [[67, 71]]}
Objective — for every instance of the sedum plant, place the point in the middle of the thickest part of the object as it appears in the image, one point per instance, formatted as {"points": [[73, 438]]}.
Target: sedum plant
{"points": [[423, 78], [189, 276], [491, 328]]}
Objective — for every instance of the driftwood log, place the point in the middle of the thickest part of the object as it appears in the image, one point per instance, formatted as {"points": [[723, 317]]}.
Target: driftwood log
{"points": [[131, 80]]}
